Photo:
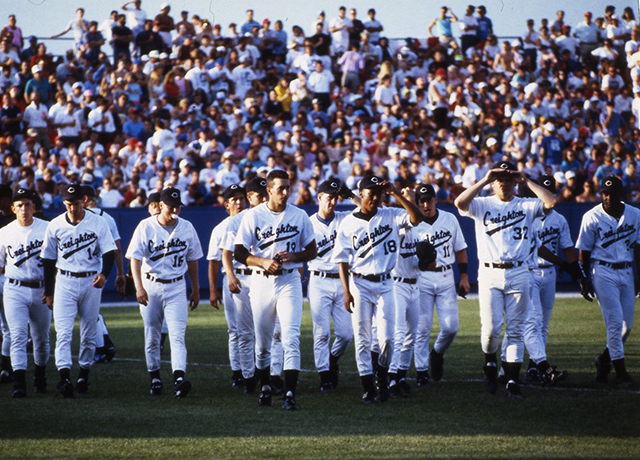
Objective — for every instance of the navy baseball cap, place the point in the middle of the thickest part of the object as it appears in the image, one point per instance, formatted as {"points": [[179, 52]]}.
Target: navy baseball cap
{"points": [[89, 191], [424, 191], [258, 185], [23, 194], [331, 187], [548, 182], [154, 197], [231, 191], [505, 165], [171, 196], [611, 184], [370, 182], [72, 192]]}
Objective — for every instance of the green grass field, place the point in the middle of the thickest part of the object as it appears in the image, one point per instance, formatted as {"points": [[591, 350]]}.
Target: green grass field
{"points": [[453, 418]]}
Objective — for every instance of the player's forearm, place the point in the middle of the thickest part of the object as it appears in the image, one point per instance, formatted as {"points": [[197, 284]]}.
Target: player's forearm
{"points": [[192, 268], [585, 259], [570, 255], [119, 259], [465, 198], [49, 276], [415, 215], [548, 199], [309, 253], [107, 262], [136, 272], [227, 261], [549, 256], [214, 272], [343, 269]]}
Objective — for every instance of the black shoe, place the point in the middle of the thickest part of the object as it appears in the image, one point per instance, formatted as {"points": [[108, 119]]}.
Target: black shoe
{"points": [[65, 387], [19, 390], [624, 381], [335, 372], [289, 402], [326, 388], [277, 385], [436, 364], [491, 378], [512, 390], [5, 377], [237, 382], [181, 388], [396, 391], [552, 376], [249, 386], [40, 386], [156, 387], [264, 399], [531, 376], [370, 397], [383, 392], [110, 353], [603, 368], [422, 379], [405, 386], [82, 386]]}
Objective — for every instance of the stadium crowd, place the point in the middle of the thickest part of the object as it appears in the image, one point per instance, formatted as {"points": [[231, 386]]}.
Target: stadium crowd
{"points": [[144, 101]]}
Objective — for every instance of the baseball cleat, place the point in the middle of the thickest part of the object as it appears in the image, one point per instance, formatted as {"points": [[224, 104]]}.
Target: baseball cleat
{"points": [[156, 387], [436, 364], [237, 382], [491, 378], [110, 353], [552, 376], [82, 387], [370, 397], [264, 398], [396, 391], [65, 387], [19, 390], [383, 392], [326, 388], [40, 386], [181, 388], [249, 385], [5, 377], [289, 402], [531, 376], [405, 386], [512, 390], [624, 381], [603, 368], [422, 379], [277, 385]]}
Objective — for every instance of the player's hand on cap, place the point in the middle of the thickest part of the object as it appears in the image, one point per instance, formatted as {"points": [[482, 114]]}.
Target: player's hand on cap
{"points": [[409, 194], [586, 289], [234, 284], [142, 296], [121, 285], [464, 287], [99, 281], [519, 177], [48, 301], [348, 302], [271, 265], [214, 298], [194, 299]]}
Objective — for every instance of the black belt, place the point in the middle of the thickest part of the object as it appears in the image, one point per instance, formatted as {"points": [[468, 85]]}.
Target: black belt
{"points": [[77, 274], [503, 265], [28, 284], [546, 266], [325, 274], [444, 268], [243, 271], [616, 266], [406, 280], [282, 271], [163, 281], [374, 278]]}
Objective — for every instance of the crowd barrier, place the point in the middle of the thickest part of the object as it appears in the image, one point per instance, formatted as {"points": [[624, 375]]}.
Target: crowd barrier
{"points": [[205, 219]]}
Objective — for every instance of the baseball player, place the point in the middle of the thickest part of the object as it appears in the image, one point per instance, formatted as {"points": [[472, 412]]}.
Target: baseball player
{"points": [[105, 349], [79, 244], [608, 244], [277, 238], [6, 217], [436, 288], [365, 249], [234, 203], [325, 293], [154, 209], [238, 283], [162, 249], [20, 245], [503, 225]]}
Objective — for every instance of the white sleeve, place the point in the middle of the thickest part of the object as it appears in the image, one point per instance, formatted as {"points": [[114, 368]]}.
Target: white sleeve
{"points": [[50, 245], [586, 237], [475, 208], [195, 248], [565, 236], [459, 243], [136, 249], [342, 249], [308, 234], [105, 239], [244, 237], [215, 246], [3, 249]]}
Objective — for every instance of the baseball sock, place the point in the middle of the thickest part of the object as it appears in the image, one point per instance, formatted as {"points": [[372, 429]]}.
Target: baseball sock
{"points": [[393, 377], [290, 380], [383, 373], [367, 383], [236, 374], [325, 376], [543, 366], [374, 361], [618, 365], [402, 374], [5, 364], [177, 375], [264, 375], [83, 374], [19, 376], [333, 361], [606, 357], [154, 374], [65, 374], [511, 370], [40, 373], [490, 358], [532, 364]]}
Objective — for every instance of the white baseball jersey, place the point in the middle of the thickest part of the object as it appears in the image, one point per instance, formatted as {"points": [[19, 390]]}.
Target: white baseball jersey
{"points": [[503, 229], [229, 237], [265, 233], [113, 228], [554, 234], [326, 233], [20, 250], [609, 239], [370, 246], [78, 248], [407, 261], [163, 254], [444, 234], [215, 242], [536, 242]]}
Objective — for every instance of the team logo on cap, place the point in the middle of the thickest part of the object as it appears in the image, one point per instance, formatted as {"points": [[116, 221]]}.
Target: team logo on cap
{"points": [[423, 190], [547, 182], [263, 183], [608, 183], [374, 179], [174, 194], [504, 165], [233, 187], [71, 190], [21, 191], [334, 185]]}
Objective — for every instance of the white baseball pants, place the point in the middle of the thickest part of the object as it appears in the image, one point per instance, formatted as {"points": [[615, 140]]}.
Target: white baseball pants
{"points": [[244, 353], [407, 299], [545, 279], [4, 326], [232, 325]]}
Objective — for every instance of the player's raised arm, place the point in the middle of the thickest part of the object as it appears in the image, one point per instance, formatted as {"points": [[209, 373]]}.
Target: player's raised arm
{"points": [[464, 199], [548, 199], [415, 215]]}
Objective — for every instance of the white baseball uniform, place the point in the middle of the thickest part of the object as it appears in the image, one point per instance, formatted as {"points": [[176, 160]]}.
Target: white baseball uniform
{"points": [[264, 233], [370, 246], [326, 297], [164, 254], [611, 242], [20, 249], [437, 287], [77, 250], [503, 234]]}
